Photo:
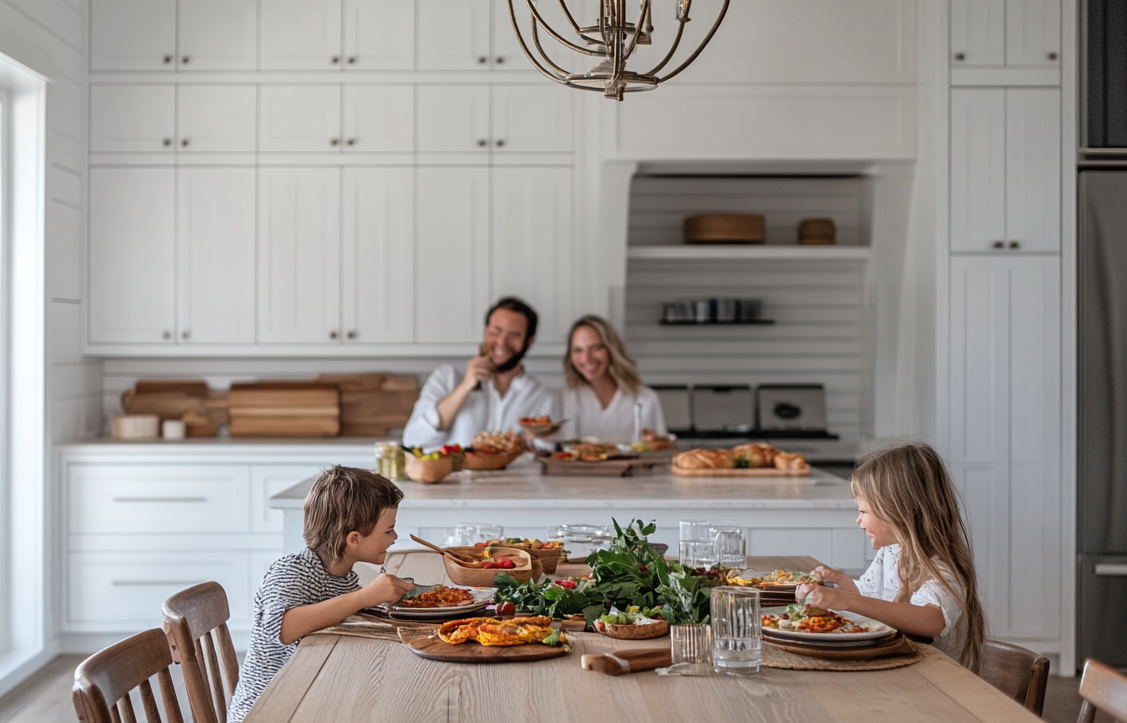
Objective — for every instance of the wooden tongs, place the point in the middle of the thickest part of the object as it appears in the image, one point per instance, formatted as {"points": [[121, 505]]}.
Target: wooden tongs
{"points": [[622, 662], [444, 550]]}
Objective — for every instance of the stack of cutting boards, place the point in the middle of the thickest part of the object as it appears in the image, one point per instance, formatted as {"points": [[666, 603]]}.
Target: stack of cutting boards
{"points": [[284, 409], [372, 405], [201, 409]]}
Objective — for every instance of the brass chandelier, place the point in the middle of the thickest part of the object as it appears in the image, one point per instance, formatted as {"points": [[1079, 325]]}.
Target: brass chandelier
{"points": [[613, 39]]}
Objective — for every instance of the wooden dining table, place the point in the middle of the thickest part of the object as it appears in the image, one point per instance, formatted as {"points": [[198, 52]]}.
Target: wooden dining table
{"points": [[347, 679]]}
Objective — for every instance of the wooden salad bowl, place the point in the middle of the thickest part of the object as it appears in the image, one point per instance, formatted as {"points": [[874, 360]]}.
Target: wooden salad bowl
{"points": [[633, 632], [549, 559], [428, 471], [459, 573], [481, 461]]}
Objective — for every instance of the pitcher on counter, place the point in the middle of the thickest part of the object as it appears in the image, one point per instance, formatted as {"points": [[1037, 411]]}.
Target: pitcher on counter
{"points": [[491, 394]]}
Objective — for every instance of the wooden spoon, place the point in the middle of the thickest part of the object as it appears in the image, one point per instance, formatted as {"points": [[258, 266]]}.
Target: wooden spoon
{"points": [[443, 551]]}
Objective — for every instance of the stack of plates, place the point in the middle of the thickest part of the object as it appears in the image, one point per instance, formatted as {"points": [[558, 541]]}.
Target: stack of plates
{"points": [[397, 611], [877, 635]]}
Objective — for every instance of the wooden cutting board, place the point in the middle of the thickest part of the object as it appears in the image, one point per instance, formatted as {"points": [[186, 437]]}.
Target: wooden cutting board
{"points": [[284, 409], [371, 405], [741, 472], [432, 648], [170, 399], [605, 468]]}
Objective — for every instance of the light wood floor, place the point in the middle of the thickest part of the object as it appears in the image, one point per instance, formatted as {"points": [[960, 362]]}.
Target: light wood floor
{"points": [[45, 697]]}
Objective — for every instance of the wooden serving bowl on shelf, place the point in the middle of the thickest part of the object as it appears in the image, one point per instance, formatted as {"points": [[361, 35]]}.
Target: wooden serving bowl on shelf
{"points": [[428, 471], [526, 567], [482, 461], [633, 632]]}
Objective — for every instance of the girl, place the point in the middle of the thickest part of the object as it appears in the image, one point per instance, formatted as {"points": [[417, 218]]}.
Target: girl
{"points": [[922, 581], [603, 386]]}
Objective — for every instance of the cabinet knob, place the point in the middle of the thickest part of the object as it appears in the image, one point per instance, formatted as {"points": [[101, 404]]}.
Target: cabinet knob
{"points": [[166, 335], [1052, 56], [500, 59], [500, 143], [483, 60], [185, 60], [185, 335], [167, 59], [333, 335], [352, 335], [1015, 244], [334, 142], [184, 143], [350, 142], [167, 142], [999, 244], [482, 143], [351, 59], [960, 56], [335, 60]]}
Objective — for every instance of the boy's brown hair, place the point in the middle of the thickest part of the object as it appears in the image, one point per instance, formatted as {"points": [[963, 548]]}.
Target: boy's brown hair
{"points": [[344, 499]]}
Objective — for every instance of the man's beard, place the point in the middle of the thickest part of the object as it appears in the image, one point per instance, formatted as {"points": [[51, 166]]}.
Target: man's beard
{"points": [[512, 362]]}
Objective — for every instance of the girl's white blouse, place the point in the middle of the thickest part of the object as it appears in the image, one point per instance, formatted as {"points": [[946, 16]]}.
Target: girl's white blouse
{"points": [[882, 581], [615, 424]]}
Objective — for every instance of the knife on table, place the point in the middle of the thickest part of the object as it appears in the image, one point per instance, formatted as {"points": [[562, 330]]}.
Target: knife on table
{"points": [[622, 662]]}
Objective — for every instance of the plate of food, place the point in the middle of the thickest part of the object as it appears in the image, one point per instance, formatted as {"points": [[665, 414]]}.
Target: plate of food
{"points": [[489, 640], [782, 580], [809, 623], [540, 426], [429, 600]]}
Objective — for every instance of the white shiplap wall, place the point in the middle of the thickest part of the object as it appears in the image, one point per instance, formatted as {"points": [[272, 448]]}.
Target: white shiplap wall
{"points": [[818, 306]]}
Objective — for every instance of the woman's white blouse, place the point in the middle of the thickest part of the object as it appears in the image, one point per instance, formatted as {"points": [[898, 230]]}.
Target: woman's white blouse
{"points": [[882, 581], [587, 418]]}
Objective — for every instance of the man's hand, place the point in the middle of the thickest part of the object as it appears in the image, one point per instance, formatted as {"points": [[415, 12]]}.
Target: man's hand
{"points": [[478, 369], [386, 589]]}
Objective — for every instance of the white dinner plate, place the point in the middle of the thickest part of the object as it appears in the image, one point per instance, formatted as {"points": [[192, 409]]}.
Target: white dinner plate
{"points": [[452, 612], [877, 630]]}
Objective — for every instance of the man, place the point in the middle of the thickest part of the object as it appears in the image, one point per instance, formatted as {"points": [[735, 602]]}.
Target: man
{"points": [[493, 392]]}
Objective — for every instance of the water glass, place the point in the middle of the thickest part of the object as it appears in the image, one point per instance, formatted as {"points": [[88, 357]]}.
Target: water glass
{"points": [[731, 544], [469, 533], [581, 540], [691, 644], [697, 554], [695, 530], [737, 633]]}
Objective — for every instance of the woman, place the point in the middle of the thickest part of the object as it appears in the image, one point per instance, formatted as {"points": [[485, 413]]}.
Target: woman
{"points": [[603, 386]]}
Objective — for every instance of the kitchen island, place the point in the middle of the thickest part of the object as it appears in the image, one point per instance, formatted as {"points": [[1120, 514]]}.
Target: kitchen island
{"points": [[813, 516]]}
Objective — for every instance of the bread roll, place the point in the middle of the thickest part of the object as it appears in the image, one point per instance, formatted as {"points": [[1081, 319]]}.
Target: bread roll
{"points": [[757, 454], [789, 460], [704, 459]]}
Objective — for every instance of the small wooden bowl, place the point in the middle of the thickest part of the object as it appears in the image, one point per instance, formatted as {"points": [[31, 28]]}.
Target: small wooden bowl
{"points": [[526, 568], [428, 471], [549, 559], [633, 632], [479, 461]]}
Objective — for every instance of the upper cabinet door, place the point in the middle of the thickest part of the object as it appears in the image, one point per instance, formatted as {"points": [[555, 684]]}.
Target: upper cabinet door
{"points": [[507, 53], [452, 249], [1033, 32], [978, 32], [299, 255], [215, 236], [299, 118], [300, 35], [217, 118], [1033, 172], [218, 35], [132, 118], [132, 255], [453, 119], [132, 34], [379, 118], [532, 118], [379, 34], [454, 34], [532, 243], [378, 255], [978, 168]]}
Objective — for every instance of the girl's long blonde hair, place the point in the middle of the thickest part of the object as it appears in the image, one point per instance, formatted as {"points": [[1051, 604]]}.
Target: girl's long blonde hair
{"points": [[907, 487], [622, 368]]}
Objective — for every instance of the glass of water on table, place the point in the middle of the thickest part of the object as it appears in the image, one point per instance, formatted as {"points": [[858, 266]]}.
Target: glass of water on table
{"points": [[737, 633]]}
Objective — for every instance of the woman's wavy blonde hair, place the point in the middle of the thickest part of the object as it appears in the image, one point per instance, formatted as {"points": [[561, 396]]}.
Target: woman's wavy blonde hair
{"points": [[907, 487], [622, 368]]}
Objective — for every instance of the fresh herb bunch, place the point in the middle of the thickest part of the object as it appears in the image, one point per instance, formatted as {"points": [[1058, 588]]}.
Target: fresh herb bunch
{"points": [[551, 599]]}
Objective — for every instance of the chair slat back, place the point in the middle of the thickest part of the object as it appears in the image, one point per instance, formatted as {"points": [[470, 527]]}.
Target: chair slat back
{"points": [[191, 618], [103, 681], [1102, 688], [1019, 673]]}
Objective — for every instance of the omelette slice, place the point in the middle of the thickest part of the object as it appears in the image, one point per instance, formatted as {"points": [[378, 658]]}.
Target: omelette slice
{"points": [[493, 632]]}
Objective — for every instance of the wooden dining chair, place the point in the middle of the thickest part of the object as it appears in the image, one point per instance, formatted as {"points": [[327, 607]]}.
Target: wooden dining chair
{"points": [[1102, 688], [195, 621], [102, 682], [1019, 673]]}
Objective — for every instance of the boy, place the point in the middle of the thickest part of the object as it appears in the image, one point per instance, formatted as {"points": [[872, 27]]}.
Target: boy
{"points": [[349, 518]]}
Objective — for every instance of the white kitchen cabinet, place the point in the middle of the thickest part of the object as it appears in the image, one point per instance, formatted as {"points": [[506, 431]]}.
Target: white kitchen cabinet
{"points": [[1005, 169], [531, 253], [1006, 33], [215, 218], [299, 118], [132, 118], [132, 34], [378, 255], [1004, 433], [379, 34], [532, 118], [267, 481], [454, 34], [218, 35], [379, 119], [298, 255], [452, 254], [132, 255], [453, 119], [300, 35], [216, 118]]}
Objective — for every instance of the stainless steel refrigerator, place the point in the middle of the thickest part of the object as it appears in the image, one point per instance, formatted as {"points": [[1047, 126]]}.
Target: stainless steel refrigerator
{"points": [[1102, 450]]}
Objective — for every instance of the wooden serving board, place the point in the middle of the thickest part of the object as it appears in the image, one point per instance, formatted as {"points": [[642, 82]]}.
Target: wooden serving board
{"points": [[284, 409], [741, 472], [373, 404], [605, 468], [432, 648]]}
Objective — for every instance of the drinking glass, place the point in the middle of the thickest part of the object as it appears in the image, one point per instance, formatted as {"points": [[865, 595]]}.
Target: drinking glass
{"points": [[691, 644], [695, 530], [697, 554], [737, 634], [731, 544], [581, 540], [469, 533]]}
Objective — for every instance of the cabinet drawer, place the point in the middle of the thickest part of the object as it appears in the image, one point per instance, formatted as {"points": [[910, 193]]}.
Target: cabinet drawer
{"points": [[124, 499], [267, 481], [126, 589]]}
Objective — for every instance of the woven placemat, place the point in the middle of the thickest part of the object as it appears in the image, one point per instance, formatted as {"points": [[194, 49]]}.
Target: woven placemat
{"points": [[776, 658]]}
